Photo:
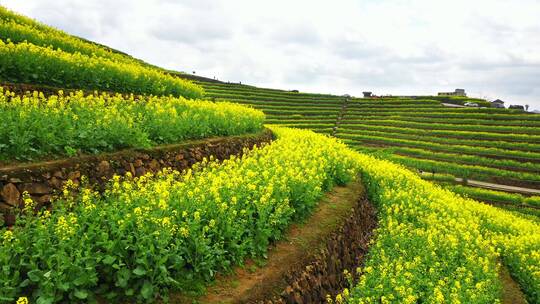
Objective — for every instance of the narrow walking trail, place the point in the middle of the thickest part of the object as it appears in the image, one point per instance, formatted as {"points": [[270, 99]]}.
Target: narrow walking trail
{"points": [[262, 280]]}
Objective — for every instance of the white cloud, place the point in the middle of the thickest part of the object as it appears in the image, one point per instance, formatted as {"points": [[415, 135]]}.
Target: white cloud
{"points": [[489, 47]]}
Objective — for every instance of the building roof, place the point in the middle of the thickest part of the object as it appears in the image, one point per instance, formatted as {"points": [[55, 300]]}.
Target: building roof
{"points": [[497, 101]]}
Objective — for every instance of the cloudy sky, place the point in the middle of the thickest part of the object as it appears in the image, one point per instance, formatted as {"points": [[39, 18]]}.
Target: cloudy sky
{"points": [[490, 48]]}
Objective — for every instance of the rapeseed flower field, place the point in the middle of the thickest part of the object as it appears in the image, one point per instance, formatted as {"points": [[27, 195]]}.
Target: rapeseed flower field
{"points": [[34, 126]]}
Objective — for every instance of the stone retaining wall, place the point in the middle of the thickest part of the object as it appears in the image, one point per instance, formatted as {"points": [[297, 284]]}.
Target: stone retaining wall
{"points": [[344, 250], [43, 180]]}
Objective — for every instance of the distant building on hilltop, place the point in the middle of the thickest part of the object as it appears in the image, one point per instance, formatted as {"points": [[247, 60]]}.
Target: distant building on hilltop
{"points": [[497, 103], [457, 92], [517, 107], [367, 94]]}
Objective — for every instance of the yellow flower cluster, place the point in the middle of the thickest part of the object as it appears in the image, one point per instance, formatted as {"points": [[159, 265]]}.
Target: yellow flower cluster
{"points": [[22, 300], [436, 247], [66, 226], [7, 237], [44, 65], [39, 126], [19, 28], [431, 246]]}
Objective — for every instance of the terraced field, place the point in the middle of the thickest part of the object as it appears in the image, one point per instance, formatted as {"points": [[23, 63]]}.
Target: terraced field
{"points": [[485, 144], [128, 234]]}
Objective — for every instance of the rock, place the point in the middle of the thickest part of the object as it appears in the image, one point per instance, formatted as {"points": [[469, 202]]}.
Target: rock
{"points": [[5, 207], [154, 165], [179, 157], [58, 174], [15, 180], [138, 163], [132, 169], [36, 188], [74, 175], [11, 194], [44, 199], [103, 168], [121, 171], [140, 171], [56, 183]]}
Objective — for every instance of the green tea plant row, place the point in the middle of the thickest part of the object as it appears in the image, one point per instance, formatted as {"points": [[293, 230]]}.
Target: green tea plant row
{"points": [[505, 164], [247, 89], [257, 92], [392, 101], [301, 120], [288, 107], [218, 90], [28, 63], [308, 124], [303, 104], [276, 97], [306, 112], [282, 99], [35, 127], [434, 109], [287, 104], [518, 146], [432, 246], [465, 171], [148, 235], [447, 133], [395, 108], [313, 104], [351, 121], [451, 122], [357, 139], [496, 196], [256, 95], [440, 114]]}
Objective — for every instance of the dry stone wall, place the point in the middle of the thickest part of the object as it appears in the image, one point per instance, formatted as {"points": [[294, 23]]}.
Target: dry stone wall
{"points": [[43, 180], [344, 250]]}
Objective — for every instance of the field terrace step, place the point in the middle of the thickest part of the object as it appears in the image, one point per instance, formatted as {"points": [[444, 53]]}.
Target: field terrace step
{"points": [[309, 263], [44, 179]]}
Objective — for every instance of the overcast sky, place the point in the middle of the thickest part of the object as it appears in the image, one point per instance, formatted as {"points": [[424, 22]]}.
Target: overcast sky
{"points": [[490, 48]]}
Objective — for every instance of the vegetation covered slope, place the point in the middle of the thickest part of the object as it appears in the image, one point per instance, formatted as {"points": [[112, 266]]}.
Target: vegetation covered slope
{"points": [[174, 231], [34, 53], [34, 126], [485, 144], [433, 246], [146, 236]]}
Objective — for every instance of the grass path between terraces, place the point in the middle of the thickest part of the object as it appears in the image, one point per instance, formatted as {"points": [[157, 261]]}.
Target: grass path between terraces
{"points": [[262, 279], [512, 293]]}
